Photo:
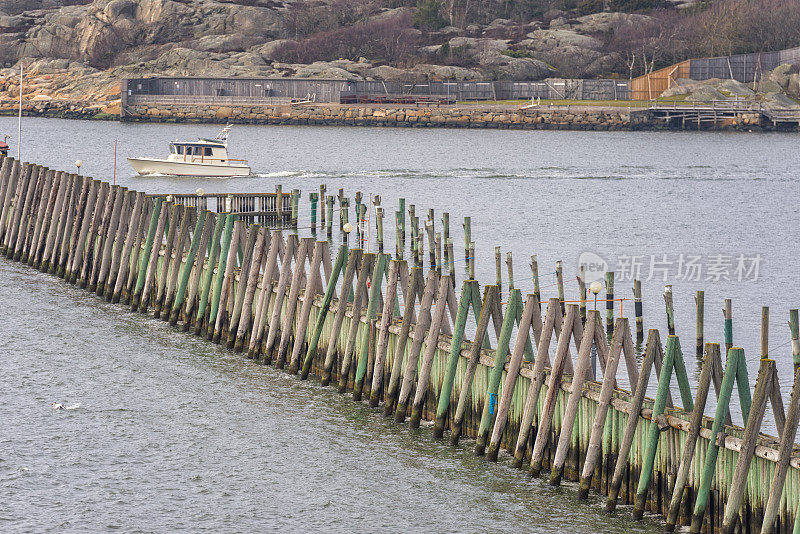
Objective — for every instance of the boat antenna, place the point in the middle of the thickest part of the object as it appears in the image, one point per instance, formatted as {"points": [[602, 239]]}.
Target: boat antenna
{"points": [[223, 135]]}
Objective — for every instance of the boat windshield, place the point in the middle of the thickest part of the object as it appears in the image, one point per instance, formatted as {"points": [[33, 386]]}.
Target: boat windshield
{"points": [[190, 150]]}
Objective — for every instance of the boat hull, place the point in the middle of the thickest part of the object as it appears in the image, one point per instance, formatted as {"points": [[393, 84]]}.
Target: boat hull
{"points": [[145, 166]]}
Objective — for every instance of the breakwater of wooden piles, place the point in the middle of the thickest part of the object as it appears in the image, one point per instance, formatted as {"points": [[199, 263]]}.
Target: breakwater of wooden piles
{"points": [[538, 379]]}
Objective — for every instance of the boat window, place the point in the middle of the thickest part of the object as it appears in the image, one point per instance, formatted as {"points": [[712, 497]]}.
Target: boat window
{"points": [[171, 149], [208, 151], [198, 151], [180, 149]]}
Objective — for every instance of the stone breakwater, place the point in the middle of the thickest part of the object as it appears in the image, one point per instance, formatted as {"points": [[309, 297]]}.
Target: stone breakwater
{"points": [[436, 117], [575, 117], [62, 109]]}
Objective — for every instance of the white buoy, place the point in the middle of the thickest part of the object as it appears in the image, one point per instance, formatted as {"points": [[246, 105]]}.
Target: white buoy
{"points": [[347, 228], [200, 192]]}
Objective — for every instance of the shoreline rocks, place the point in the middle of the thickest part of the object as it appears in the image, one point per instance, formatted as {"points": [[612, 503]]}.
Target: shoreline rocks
{"points": [[585, 118]]}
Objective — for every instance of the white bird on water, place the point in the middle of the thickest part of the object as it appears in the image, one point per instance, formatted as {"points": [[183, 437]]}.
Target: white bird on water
{"points": [[59, 406]]}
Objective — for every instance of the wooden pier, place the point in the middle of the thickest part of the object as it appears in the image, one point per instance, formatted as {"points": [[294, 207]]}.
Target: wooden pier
{"points": [[718, 113], [393, 331]]}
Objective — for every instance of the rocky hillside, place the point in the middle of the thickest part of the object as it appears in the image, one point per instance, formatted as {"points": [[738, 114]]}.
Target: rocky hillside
{"points": [[79, 49]]}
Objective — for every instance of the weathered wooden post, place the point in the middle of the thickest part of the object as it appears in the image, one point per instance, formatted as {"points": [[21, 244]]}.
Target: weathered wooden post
{"points": [[278, 205], [382, 344], [703, 386], [652, 351], [467, 236], [321, 198], [429, 229], [553, 387], [609, 303], [471, 262], [535, 271], [156, 220], [637, 309], [491, 299], [39, 218], [764, 384], [265, 295], [71, 248], [764, 332], [248, 278], [216, 291], [455, 353], [592, 334], [360, 294], [194, 246], [358, 205], [594, 448], [438, 246], [727, 315], [794, 330], [78, 254], [150, 262], [313, 283], [329, 221], [361, 212], [451, 263], [510, 269], [223, 290], [420, 244], [560, 283], [699, 300], [398, 239], [401, 209], [658, 423], [338, 267], [495, 375], [784, 457], [431, 344], [413, 293], [208, 275], [707, 474], [314, 197], [295, 207], [189, 216], [498, 270], [353, 265], [114, 292], [378, 274], [670, 309], [344, 216], [423, 321], [110, 217], [93, 240], [173, 223], [552, 318], [582, 291], [306, 246], [379, 227]]}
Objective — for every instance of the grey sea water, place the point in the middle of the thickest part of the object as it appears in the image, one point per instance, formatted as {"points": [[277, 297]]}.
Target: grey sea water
{"points": [[174, 433]]}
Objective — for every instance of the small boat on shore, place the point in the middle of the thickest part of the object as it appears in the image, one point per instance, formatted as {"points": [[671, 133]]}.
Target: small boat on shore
{"points": [[4, 146], [204, 157]]}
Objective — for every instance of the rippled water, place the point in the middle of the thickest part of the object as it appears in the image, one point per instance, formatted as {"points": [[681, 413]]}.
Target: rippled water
{"points": [[175, 433]]}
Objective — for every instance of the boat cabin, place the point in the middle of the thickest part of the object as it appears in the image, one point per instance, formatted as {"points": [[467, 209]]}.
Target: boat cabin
{"points": [[202, 151]]}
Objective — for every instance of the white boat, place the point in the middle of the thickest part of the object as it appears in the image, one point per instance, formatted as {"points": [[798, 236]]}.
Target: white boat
{"points": [[204, 157]]}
